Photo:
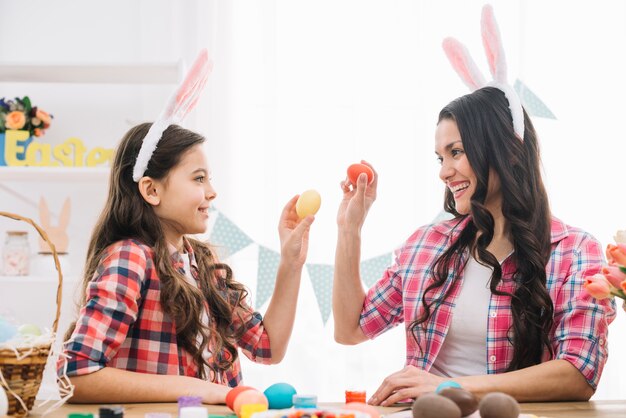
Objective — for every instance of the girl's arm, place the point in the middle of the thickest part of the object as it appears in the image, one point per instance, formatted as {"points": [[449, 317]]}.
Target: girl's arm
{"points": [[554, 380], [111, 385], [348, 293], [280, 315]]}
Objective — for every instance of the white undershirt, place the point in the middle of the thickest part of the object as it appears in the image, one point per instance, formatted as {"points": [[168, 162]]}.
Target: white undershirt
{"points": [[464, 349]]}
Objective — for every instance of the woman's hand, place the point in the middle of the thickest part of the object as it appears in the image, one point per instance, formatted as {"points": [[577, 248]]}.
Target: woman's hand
{"points": [[357, 200], [409, 382], [294, 234]]}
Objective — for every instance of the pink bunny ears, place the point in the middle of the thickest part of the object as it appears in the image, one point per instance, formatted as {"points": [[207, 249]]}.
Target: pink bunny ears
{"points": [[470, 74], [178, 106]]}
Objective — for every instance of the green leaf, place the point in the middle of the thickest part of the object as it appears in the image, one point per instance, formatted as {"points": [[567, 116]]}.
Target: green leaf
{"points": [[27, 105]]}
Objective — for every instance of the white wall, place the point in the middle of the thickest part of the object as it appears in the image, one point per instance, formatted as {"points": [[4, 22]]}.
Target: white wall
{"points": [[300, 90]]}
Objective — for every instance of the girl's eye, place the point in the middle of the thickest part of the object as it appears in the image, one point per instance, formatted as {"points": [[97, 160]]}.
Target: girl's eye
{"points": [[200, 179], [440, 160]]}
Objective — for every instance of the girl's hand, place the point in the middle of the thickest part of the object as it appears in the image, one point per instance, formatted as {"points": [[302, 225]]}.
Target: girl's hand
{"points": [[357, 200], [294, 233], [214, 394], [409, 382]]}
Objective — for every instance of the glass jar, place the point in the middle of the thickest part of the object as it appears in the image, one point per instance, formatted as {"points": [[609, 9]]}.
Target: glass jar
{"points": [[16, 254]]}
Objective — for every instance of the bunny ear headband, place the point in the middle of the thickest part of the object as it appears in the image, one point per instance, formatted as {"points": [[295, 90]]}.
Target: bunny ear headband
{"points": [[178, 106], [470, 74]]}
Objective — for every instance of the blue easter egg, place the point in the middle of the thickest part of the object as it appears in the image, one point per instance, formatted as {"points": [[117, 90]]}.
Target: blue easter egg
{"points": [[280, 395], [447, 384], [7, 330]]}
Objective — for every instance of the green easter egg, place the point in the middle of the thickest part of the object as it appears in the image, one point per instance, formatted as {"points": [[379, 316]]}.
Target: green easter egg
{"points": [[29, 329]]}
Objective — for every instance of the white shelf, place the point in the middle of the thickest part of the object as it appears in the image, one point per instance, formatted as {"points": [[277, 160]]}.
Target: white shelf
{"points": [[165, 73], [54, 173]]}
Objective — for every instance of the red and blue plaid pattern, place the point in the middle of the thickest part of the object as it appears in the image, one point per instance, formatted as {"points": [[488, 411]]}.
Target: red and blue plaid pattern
{"points": [[580, 321], [123, 325]]}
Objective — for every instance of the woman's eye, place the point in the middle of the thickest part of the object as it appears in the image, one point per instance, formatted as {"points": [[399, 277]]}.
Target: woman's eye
{"points": [[440, 160], [456, 152], [200, 179]]}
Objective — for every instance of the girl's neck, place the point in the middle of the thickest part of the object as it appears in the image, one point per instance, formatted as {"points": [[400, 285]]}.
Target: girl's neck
{"points": [[176, 241]]}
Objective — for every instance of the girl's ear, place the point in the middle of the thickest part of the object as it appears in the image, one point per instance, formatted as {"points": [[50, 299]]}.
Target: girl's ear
{"points": [[149, 190]]}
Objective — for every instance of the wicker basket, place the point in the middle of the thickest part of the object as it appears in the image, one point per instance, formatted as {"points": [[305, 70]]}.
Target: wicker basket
{"points": [[23, 375]]}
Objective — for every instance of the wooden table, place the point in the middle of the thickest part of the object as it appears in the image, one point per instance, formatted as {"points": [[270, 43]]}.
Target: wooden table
{"points": [[593, 409]]}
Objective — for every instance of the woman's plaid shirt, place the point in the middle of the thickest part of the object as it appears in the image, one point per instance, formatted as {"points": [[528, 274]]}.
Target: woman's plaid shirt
{"points": [[580, 322]]}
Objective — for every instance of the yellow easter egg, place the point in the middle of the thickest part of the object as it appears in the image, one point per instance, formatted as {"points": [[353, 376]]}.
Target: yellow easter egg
{"points": [[308, 203]]}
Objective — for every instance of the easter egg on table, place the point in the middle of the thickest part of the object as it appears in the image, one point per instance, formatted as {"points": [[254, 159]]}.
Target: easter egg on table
{"points": [[308, 203], [233, 393], [363, 407], [280, 395], [356, 169], [251, 396], [447, 384], [432, 405], [498, 405], [464, 399]]}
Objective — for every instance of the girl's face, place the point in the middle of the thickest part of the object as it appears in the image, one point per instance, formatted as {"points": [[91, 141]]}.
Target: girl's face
{"points": [[185, 196], [456, 171]]}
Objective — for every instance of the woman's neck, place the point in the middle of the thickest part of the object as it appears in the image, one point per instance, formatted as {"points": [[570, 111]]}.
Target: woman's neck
{"points": [[501, 244]]}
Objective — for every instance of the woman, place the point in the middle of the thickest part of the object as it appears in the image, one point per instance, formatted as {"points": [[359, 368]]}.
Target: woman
{"points": [[492, 298]]}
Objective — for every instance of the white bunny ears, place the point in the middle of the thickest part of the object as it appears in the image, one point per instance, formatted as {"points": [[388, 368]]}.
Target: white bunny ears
{"points": [[470, 74], [182, 102]]}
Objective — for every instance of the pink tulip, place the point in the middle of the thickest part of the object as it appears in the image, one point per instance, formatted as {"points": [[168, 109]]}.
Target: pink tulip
{"points": [[597, 286], [614, 275], [616, 254]]}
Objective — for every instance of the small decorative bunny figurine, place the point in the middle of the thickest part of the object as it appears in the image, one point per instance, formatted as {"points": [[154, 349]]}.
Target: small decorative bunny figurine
{"points": [[57, 234]]}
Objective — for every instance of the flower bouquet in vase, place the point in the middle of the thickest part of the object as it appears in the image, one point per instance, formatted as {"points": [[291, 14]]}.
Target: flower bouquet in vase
{"points": [[611, 281], [20, 117]]}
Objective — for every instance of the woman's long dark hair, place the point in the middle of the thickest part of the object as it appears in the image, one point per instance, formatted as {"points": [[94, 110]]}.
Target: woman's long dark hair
{"points": [[128, 216], [485, 124]]}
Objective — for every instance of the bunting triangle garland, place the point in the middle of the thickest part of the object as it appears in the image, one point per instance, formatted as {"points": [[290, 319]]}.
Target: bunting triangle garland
{"points": [[266, 275], [322, 280], [373, 269], [533, 105], [227, 235]]}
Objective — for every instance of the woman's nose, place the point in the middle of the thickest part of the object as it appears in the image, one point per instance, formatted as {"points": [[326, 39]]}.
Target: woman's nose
{"points": [[446, 171]]}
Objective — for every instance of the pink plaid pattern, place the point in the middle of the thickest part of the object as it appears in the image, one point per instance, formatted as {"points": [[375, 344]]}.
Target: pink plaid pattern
{"points": [[123, 324], [580, 322]]}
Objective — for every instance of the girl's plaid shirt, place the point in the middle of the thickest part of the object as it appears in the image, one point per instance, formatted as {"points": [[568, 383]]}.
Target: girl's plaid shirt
{"points": [[123, 324]]}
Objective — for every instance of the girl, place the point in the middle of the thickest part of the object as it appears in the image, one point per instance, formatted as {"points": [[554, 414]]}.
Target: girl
{"points": [[492, 298], [162, 318]]}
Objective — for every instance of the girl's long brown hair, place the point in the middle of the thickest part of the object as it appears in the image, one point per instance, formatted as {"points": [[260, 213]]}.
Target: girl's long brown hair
{"points": [[127, 215], [484, 122]]}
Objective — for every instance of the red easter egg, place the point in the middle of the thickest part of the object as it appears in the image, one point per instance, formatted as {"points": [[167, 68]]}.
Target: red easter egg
{"points": [[232, 394], [355, 169]]}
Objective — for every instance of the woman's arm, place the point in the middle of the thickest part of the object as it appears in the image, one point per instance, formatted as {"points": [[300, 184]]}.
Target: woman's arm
{"points": [[280, 315], [111, 385], [554, 380], [348, 293]]}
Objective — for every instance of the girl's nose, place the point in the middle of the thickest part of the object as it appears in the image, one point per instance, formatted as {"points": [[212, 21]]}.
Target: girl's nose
{"points": [[210, 192]]}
